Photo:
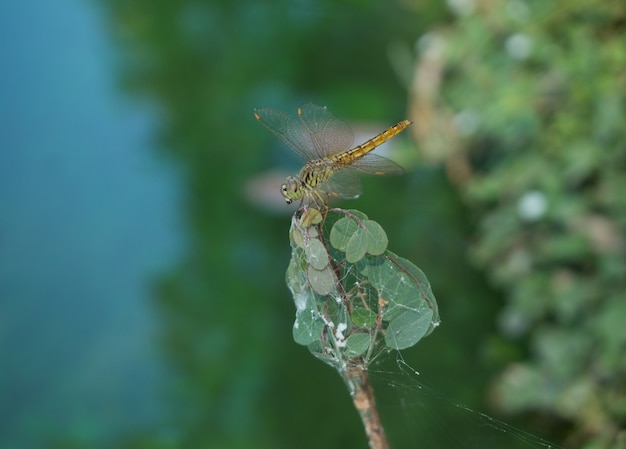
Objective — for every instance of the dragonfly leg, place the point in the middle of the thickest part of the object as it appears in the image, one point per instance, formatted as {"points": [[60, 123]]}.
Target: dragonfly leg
{"points": [[321, 201]]}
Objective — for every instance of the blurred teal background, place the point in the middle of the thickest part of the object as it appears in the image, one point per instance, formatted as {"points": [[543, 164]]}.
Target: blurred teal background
{"points": [[142, 293], [90, 218]]}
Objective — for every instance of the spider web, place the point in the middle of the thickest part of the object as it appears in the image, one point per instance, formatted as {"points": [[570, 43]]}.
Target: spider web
{"points": [[417, 416]]}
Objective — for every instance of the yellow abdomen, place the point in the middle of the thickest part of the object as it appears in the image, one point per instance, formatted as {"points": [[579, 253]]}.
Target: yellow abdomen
{"points": [[347, 157]]}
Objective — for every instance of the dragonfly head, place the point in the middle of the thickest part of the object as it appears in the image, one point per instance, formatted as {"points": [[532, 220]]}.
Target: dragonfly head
{"points": [[291, 190]]}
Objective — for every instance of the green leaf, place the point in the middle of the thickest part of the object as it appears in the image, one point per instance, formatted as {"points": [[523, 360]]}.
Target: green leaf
{"points": [[357, 246], [336, 313], [322, 281], [410, 308], [316, 254], [408, 328], [376, 238], [423, 285], [296, 274], [311, 217], [296, 236], [341, 233], [308, 324], [299, 236], [363, 317], [357, 344], [308, 327], [358, 214], [419, 280]]}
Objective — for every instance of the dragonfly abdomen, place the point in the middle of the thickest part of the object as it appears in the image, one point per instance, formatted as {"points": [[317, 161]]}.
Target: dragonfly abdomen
{"points": [[355, 153]]}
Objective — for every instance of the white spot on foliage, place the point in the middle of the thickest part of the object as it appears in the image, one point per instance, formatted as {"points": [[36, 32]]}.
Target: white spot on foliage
{"points": [[532, 205]]}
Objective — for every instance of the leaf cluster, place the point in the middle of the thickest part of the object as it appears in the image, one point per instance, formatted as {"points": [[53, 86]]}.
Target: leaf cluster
{"points": [[354, 298]]}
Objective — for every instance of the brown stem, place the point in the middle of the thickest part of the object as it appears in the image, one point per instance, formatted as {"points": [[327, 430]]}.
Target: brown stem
{"points": [[357, 380]]}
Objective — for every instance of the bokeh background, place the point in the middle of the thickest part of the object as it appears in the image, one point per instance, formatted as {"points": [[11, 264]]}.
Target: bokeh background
{"points": [[142, 253]]}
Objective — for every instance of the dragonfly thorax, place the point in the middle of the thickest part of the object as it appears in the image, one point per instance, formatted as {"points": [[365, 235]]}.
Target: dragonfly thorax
{"points": [[311, 176], [316, 172]]}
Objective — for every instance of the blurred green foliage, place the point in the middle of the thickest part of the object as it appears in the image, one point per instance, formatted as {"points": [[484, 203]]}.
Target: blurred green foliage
{"points": [[535, 95], [528, 121]]}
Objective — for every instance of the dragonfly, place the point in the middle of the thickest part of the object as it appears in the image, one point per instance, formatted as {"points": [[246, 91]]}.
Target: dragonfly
{"points": [[332, 163]]}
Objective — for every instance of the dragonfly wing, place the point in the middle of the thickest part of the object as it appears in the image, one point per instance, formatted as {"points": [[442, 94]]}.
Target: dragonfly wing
{"points": [[377, 165], [343, 184], [328, 134], [291, 131]]}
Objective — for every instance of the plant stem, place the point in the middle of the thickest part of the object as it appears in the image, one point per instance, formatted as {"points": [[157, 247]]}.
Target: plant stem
{"points": [[357, 380]]}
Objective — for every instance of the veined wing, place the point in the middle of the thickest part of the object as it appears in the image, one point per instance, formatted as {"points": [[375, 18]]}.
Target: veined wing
{"points": [[329, 135], [315, 134], [289, 130], [376, 165], [343, 184]]}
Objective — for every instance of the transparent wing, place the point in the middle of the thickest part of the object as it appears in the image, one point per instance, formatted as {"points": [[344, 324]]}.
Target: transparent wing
{"points": [[289, 130], [315, 134], [328, 134], [343, 184], [377, 165]]}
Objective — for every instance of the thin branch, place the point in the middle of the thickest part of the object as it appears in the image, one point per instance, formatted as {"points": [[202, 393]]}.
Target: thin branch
{"points": [[357, 380]]}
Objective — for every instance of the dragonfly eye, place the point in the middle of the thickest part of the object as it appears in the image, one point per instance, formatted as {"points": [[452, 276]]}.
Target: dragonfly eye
{"points": [[291, 190]]}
